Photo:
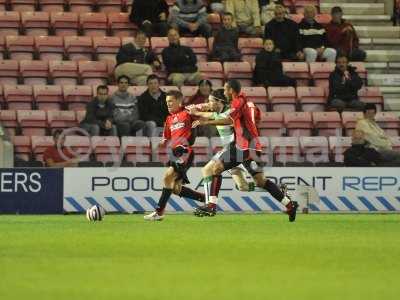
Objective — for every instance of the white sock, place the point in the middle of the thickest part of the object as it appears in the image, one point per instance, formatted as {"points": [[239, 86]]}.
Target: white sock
{"points": [[213, 199], [207, 186], [285, 201]]}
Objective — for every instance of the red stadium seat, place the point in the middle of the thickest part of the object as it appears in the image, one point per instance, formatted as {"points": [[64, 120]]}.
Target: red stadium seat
{"points": [[373, 95], [34, 71], [48, 97], [108, 6], [22, 147], [298, 123], [64, 72], [327, 123], [297, 70], [315, 149], [32, 122], [65, 23], [79, 145], [8, 119], [395, 142], [158, 44], [239, 70], [22, 5], [212, 71], [282, 98], [188, 91], [93, 72], [61, 119], [136, 148], [311, 98], [159, 154], [20, 47], [271, 124], [106, 48], [266, 156], [3, 4], [9, 23], [137, 90], [389, 122], [168, 88], [337, 146], [93, 24], [250, 47], [77, 96], [35, 23], [285, 149], [81, 5], [258, 95], [215, 144], [51, 5], [9, 71], [18, 96], [49, 47], [349, 120], [198, 45], [320, 72], [106, 148], [40, 144], [79, 47], [201, 147], [120, 25]]}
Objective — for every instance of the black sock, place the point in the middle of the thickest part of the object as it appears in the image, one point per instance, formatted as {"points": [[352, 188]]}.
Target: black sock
{"points": [[215, 185], [162, 203], [274, 190], [189, 193]]}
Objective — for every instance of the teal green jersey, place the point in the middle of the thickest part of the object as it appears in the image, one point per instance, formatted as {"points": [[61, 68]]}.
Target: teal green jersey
{"points": [[225, 132]]}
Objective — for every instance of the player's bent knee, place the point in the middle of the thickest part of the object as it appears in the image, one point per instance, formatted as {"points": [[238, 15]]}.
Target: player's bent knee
{"points": [[217, 168]]}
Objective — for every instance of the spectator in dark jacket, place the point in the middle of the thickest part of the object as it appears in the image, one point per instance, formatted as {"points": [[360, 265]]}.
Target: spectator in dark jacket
{"points": [[344, 84], [285, 34], [180, 61], [313, 38], [99, 115], [268, 70], [342, 36], [152, 106], [360, 154], [225, 47], [150, 16], [135, 61]]}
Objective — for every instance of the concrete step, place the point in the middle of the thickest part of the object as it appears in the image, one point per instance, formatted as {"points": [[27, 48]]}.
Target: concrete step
{"points": [[392, 104], [338, 2], [383, 55], [368, 20], [379, 44], [356, 8], [385, 80], [385, 32]]}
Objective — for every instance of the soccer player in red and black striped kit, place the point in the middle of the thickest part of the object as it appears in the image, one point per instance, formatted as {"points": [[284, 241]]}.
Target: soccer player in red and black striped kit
{"points": [[242, 117], [178, 138]]}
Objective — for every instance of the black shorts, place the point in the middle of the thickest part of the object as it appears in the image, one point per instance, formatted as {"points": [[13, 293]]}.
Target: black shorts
{"points": [[232, 156], [181, 164]]}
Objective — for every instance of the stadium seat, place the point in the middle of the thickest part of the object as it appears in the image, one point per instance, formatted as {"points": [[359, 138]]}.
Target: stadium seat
{"points": [[80, 115], [136, 90], [108, 6], [320, 72], [167, 88], [79, 145], [349, 120], [48, 97], [159, 154], [22, 147], [120, 25], [18, 96], [49, 47], [298, 123], [212, 71], [2, 47], [201, 148], [9, 72], [188, 91], [51, 5], [20, 47], [239, 70], [2, 102], [81, 5], [315, 149], [271, 124], [337, 146], [8, 119], [389, 122], [297, 70], [3, 4], [395, 142], [93, 72], [77, 96], [285, 149], [327, 123], [198, 45], [63, 72], [258, 95], [106, 48], [311, 98], [282, 98], [373, 95], [64, 23], [32, 122], [106, 148], [215, 144], [78, 47], [136, 148], [61, 119], [22, 5], [40, 144], [34, 71], [9, 23], [249, 48], [266, 156], [158, 44], [35, 23], [93, 24]]}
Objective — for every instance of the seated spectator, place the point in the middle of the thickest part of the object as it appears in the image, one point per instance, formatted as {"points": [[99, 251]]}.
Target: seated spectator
{"points": [[267, 9], [180, 61], [344, 84], [135, 61], [359, 154], [313, 38], [152, 106], [376, 136], [150, 16], [99, 115], [246, 15], [268, 70], [58, 156], [217, 6], [342, 36], [285, 35], [205, 88], [190, 16], [225, 46], [126, 112]]}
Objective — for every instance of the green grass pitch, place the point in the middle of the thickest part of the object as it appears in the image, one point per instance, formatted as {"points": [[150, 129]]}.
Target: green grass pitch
{"points": [[183, 257]]}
